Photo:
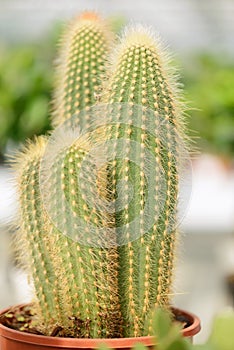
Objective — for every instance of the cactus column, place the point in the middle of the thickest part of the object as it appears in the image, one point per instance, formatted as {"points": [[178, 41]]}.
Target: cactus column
{"points": [[80, 67], [139, 75], [68, 186], [36, 237]]}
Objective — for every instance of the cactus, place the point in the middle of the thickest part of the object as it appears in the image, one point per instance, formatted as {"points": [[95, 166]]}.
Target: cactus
{"points": [[62, 271], [68, 207], [80, 66], [139, 75], [72, 281], [100, 273], [33, 237]]}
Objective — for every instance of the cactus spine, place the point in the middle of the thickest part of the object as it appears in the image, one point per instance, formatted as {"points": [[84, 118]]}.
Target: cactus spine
{"points": [[139, 76]]}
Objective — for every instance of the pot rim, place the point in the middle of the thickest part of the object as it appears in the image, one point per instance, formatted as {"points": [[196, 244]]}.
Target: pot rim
{"points": [[83, 343]]}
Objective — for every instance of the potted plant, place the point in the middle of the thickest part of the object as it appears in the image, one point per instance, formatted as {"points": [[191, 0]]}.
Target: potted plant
{"points": [[98, 197]]}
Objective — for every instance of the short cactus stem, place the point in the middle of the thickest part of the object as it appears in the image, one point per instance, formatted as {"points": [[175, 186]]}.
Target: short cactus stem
{"points": [[55, 257], [33, 234], [67, 184], [80, 68]]}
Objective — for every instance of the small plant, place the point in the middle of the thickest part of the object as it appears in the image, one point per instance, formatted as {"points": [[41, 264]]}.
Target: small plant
{"points": [[98, 198]]}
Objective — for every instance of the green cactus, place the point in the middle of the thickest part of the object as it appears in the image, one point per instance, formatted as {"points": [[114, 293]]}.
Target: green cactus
{"points": [[100, 273], [69, 209], [139, 75], [70, 282], [80, 66], [34, 237]]}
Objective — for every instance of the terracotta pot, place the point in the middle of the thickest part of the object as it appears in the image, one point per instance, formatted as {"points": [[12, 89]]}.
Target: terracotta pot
{"points": [[16, 340]]}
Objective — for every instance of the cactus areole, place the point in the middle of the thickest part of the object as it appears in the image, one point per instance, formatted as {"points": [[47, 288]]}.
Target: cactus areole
{"points": [[99, 196]]}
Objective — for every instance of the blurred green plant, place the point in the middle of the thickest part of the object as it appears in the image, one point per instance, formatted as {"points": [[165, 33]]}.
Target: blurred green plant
{"points": [[222, 336], [209, 82], [25, 86], [169, 337], [26, 78]]}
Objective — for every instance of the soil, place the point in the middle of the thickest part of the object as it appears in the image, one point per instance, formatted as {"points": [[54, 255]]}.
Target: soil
{"points": [[21, 318]]}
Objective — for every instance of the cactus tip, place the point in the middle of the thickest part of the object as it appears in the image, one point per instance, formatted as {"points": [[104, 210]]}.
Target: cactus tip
{"points": [[89, 16]]}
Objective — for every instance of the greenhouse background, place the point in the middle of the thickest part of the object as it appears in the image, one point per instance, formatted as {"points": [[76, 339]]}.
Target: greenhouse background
{"points": [[201, 35]]}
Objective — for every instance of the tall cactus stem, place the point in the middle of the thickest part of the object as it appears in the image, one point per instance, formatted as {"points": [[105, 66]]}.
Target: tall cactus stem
{"points": [[139, 75]]}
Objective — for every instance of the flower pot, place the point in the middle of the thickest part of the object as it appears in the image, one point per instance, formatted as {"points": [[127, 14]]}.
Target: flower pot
{"points": [[15, 340]]}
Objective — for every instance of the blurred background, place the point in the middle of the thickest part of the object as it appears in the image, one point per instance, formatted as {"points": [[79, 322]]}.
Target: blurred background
{"points": [[202, 35]]}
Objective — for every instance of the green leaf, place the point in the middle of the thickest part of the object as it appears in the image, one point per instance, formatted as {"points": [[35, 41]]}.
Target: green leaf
{"points": [[168, 335], [161, 324], [179, 344], [222, 336], [103, 346], [140, 346]]}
